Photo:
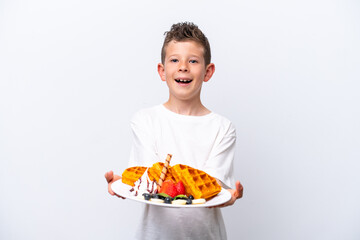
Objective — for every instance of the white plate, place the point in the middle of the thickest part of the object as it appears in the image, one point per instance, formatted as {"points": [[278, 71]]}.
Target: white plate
{"points": [[123, 190]]}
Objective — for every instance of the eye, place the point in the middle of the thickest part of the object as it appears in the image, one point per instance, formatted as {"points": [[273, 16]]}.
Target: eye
{"points": [[193, 61], [174, 60]]}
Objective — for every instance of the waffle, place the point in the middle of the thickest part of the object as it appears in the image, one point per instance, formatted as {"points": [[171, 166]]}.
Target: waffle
{"points": [[132, 174], [196, 182], [155, 171]]}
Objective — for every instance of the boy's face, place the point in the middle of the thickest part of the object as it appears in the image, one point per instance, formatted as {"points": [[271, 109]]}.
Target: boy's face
{"points": [[184, 69]]}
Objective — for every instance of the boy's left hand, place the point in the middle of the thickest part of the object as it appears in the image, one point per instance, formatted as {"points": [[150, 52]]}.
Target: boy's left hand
{"points": [[235, 194]]}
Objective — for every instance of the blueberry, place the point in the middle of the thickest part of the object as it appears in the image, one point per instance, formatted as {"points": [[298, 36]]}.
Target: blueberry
{"points": [[147, 196], [191, 197], [154, 196], [167, 200], [188, 201]]}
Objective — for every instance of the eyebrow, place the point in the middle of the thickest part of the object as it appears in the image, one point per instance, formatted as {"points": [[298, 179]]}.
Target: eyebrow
{"points": [[177, 55]]}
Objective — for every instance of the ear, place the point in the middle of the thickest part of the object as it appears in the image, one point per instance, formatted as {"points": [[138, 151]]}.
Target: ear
{"points": [[161, 71], [210, 69]]}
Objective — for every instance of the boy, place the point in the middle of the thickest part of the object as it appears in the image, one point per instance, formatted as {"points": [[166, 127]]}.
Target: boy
{"points": [[193, 134]]}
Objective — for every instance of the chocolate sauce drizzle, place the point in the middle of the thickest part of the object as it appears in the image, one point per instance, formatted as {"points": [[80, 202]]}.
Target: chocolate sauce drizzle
{"points": [[151, 187]]}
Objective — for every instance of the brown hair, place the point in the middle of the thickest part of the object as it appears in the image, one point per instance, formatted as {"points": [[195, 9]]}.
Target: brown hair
{"points": [[186, 31]]}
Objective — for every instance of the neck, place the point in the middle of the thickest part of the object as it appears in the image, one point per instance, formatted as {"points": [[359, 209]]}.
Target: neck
{"points": [[191, 108]]}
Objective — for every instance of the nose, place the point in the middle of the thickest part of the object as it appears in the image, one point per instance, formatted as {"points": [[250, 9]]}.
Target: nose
{"points": [[183, 67]]}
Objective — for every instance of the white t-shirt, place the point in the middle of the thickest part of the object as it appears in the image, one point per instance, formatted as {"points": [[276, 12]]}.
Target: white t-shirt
{"points": [[203, 142]]}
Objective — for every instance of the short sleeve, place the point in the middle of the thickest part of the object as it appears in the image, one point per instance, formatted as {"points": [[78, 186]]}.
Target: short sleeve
{"points": [[220, 162], [143, 151]]}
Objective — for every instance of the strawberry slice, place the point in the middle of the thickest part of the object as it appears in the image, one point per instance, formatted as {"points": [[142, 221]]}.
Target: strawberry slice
{"points": [[180, 188]]}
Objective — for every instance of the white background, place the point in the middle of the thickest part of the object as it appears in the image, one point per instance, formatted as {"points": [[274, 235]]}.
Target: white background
{"points": [[73, 72]]}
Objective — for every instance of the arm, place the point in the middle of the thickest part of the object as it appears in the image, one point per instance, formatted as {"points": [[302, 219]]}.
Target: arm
{"points": [[139, 151], [220, 162], [220, 165]]}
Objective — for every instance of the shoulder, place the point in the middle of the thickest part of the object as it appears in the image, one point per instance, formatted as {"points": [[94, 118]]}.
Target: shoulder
{"points": [[221, 119], [225, 124], [145, 115]]}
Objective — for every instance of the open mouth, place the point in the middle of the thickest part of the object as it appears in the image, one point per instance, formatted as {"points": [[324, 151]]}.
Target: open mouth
{"points": [[183, 80]]}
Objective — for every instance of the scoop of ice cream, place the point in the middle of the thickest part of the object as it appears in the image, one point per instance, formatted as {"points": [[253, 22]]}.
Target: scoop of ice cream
{"points": [[144, 185]]}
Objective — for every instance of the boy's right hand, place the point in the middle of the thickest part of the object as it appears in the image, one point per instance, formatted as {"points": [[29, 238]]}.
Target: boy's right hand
{"points": [[110, 178]]}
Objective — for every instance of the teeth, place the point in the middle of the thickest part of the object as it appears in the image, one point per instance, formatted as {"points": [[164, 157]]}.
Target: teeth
{"points": [[183, 80]]}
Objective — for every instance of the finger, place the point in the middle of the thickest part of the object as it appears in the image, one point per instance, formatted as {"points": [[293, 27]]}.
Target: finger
{"points": [[239, 189], [109, 176], [119, 196], [113, 193], [228, 203], [110, 190]]}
